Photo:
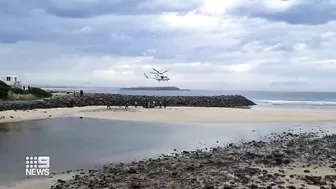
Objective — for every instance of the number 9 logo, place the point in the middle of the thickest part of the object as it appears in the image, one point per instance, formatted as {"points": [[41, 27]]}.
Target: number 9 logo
{"points": [[43, 162]]}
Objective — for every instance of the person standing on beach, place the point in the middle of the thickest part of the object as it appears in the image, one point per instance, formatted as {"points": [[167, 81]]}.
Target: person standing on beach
{"points": [[160, 104], [108, 105], [135, 104], [153, 103]]}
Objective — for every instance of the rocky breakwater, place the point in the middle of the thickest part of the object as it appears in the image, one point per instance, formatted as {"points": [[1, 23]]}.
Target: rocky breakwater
{"points": [[121, 100], [287, 161]]}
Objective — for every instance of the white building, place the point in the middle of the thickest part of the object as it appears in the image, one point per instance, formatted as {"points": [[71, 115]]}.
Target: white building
{"points": [[12, 80]]}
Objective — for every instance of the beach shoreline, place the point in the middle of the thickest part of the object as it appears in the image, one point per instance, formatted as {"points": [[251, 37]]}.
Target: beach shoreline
{"points": [[286, 161], [273, 163], [283, 162], [175, 114], [37, 183]]}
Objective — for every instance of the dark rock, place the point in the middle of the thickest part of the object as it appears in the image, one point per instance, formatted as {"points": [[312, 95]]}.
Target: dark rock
{"points": [[61, 181], [132, 171], [96, 99], [315, 180], [209, 186], [135, 185], [291, 187], [227, 187], [333, 166], [190, 168], [286, 161], [278, 161]]}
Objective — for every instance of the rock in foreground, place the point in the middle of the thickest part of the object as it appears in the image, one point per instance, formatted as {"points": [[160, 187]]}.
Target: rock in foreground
{"points": [[248, 165], [121, 100]]}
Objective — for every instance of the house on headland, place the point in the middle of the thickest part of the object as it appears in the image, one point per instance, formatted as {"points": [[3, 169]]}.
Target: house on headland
{"points": [[12, 80]]}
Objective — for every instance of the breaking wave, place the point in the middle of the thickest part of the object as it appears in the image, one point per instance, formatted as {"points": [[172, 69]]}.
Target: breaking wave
{"points": [[301, 103]]}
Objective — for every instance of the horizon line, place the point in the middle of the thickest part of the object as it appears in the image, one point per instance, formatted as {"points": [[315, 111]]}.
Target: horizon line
{"points": [[193, 89]]}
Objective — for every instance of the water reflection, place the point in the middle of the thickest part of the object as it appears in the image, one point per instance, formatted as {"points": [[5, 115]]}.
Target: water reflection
{"points": [[7, 127], [74, 143]]}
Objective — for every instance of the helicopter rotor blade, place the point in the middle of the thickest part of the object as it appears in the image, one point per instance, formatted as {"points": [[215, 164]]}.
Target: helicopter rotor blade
{"points": [[156, 70]]}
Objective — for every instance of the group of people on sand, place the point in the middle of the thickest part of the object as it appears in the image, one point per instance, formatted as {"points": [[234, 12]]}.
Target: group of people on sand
{"points": [[154, 104], [146, 105]]}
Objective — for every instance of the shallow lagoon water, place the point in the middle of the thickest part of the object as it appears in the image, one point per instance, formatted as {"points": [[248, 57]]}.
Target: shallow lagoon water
{"points": [[74, 143]]}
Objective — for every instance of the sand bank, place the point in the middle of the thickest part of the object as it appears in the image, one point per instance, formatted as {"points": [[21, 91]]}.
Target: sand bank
{"points": [[19, 115], [214, 115], [176, 114]]}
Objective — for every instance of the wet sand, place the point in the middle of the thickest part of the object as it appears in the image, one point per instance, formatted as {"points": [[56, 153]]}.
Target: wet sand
{"points": [[177, 114], [25, 115], [40, 183], [294, 175]]}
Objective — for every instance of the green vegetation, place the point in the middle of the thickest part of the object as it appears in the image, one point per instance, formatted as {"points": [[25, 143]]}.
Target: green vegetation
{"points": [[8, 93], [18, 91], [21, 97], [4, 88], [39, 93]]}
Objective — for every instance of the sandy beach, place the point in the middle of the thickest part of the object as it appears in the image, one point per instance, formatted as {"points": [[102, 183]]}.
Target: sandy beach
{"points": [[176, 114]]}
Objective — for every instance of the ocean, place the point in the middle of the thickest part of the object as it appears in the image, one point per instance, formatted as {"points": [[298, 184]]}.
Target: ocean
{"points": [[270, 99]]}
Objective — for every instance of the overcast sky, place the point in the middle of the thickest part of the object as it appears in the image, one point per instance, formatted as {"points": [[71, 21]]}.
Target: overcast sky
{"points": [[205, 44]]}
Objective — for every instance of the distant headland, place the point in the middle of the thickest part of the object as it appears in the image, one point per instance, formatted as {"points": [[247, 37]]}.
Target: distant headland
{"points": [[155, 88]]}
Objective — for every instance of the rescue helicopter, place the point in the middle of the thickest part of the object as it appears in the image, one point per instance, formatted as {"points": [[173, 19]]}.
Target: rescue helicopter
{"points": [[159, 76]]}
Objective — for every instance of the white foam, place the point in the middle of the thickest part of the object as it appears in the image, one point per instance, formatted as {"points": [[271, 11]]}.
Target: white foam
{"points": [[298, 102]]}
